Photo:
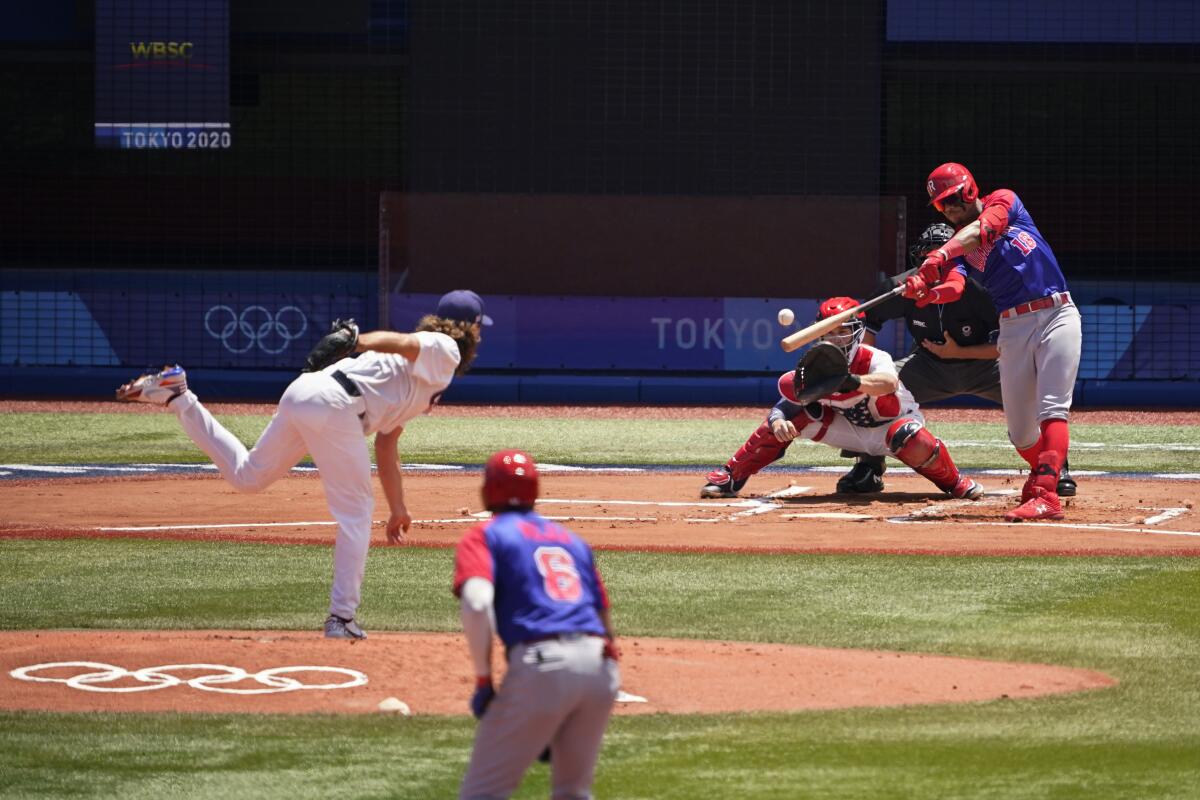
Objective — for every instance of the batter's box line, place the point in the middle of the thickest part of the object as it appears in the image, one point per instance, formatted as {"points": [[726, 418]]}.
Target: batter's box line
{"points": [[330, 523], [1079, 526]]}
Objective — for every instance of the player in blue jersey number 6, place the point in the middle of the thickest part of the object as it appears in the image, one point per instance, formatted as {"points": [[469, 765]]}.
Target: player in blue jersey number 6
{"points": [[1040, 332], [534, 583]]}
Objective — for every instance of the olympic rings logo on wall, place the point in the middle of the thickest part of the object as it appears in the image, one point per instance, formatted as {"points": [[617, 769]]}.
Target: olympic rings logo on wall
{"points": [[276, 679], [256, 325]]}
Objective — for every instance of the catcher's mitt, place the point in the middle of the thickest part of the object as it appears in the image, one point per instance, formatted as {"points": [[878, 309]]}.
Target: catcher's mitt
{"points": [[334, 346], [821, 371]]}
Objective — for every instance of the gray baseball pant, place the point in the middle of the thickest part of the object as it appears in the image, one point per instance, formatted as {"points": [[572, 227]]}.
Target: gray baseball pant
{"points": [[557, 692]]}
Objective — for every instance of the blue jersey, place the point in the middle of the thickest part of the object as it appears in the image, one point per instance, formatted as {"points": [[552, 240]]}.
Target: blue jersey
{"points": [[1019, 265], [546, 581]]}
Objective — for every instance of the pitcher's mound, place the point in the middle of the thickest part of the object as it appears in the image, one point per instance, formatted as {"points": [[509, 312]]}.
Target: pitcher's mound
{"points": [[289, 672]]}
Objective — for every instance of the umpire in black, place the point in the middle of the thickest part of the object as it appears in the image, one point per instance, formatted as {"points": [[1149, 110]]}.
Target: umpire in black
{"points": [[954, 353]]}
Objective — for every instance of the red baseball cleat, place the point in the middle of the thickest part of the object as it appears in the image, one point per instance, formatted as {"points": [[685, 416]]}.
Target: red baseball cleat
{"points": [[1042, 505], [1027, 488]]}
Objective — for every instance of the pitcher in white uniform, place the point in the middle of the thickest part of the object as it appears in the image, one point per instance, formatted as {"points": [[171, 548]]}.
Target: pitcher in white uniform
{"points": [[328, 414]]}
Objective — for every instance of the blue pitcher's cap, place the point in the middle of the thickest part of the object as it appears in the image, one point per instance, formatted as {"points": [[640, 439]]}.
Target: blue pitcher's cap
{"points": [[464, 306]]}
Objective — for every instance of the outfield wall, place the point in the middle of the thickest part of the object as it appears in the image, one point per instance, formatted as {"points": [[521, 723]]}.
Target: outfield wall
{"points": [[244, 334]]}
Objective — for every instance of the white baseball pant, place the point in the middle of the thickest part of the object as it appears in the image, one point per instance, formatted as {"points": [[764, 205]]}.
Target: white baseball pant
{"points": [[315, 415]]}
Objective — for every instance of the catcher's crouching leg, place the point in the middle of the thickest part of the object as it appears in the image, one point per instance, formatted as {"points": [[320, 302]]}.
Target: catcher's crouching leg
{"points": [[761, 449], [913, 444]]}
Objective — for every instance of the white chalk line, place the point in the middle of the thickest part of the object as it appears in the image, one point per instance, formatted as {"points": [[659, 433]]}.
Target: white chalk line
{"points": [[376, 523], [665, 503], [906, 520], [1081, 445], [828, 515], [748, 507], [1167, 514]]}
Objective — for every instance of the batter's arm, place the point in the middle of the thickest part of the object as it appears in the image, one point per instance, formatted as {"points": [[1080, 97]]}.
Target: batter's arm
{"points": [[401, 344], [990, 223], [387, 459], [969, 237]]}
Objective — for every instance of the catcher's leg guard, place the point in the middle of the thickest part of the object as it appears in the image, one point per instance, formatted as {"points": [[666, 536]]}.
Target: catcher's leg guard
{"points": [[761, 449], [913, 444]]}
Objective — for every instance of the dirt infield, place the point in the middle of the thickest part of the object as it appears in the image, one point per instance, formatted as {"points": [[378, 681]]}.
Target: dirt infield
{"points": [[285, 672], [783, 511]]}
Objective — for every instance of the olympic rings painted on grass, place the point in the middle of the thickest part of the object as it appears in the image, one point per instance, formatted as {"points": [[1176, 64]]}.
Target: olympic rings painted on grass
{"points": [[274, 680]]}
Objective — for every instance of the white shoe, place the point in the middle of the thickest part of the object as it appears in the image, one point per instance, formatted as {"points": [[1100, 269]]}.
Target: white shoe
{"points": [[338, 628], [159, 388]]}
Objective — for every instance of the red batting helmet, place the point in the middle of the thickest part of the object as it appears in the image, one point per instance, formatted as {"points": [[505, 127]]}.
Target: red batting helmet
{"points": [[949, 179], [510, 480], [850, 334]]}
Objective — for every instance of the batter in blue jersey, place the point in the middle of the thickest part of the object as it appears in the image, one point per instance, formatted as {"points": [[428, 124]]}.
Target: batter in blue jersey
{"points": [[1040, 334], [539, 583]]}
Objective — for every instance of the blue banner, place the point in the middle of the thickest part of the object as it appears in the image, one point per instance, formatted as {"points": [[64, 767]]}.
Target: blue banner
{"points": [[268, 321], [719, 334], [1064, 21]]}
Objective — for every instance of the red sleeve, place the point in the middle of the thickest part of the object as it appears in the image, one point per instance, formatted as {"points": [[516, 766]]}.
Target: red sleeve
{"points": [[997, 209], [603, 591], [787, 386], [947, 292], [472, 559]]}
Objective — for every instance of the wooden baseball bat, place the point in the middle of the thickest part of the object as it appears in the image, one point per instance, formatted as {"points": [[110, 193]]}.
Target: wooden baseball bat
{"points": [[818, 329]]}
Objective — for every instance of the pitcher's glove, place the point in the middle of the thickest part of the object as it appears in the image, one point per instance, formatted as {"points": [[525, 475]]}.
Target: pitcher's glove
{"points": [[822, 371], [334, 346]]}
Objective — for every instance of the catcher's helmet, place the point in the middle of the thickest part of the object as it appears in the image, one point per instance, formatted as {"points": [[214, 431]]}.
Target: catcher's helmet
{"points": [[950, 179], [847, 337], [510, 480], [931, 239]]}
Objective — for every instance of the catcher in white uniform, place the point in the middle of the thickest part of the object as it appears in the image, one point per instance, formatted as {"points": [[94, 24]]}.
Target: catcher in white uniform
{"points": [[327, 412]]}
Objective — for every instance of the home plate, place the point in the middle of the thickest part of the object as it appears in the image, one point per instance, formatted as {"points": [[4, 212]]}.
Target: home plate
{"points": [[625, 697], [828, 515], [790, 491]]}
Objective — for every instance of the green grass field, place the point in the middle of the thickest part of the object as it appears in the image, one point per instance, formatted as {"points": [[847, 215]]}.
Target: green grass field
{"points": [[1134, 618], [155, 437]]}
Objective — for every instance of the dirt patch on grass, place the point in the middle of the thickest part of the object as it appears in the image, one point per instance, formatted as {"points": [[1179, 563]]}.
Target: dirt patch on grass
{"points": [[287, 672]]}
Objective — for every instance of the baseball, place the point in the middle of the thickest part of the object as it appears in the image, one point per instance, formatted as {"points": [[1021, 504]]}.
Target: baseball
{"points": [[394, 705], [786, 316]]}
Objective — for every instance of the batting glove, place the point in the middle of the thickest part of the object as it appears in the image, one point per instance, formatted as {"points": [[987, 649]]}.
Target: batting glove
{"points": [[484, 694], [946, 292], [932, 267], [914, 287]]}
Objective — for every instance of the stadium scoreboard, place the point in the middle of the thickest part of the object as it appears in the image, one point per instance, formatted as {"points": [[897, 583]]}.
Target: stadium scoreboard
{"points": [[162, 74]]}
